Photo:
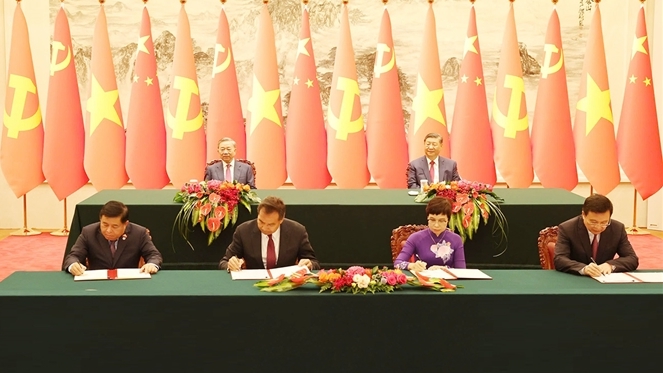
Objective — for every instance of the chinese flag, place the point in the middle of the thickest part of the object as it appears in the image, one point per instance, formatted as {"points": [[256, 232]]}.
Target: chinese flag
{"points": [[471, 141], [185, 150], [105, 143], [146, 132], [593, 130], [510, 126], [306, 139], [224, 118], [553, 151], [638, 139], [266, 137], [346, 140], [64, 136], [428, 112], [23, 131], [385, 129]]}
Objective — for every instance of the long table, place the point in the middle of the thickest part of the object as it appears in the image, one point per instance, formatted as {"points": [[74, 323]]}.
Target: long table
{"points": [[202, 321], [345, 227]]}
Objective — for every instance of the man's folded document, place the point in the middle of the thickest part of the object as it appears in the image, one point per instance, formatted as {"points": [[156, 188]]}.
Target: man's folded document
{"points": [[266, 274], [112, 274], [630, 277]]}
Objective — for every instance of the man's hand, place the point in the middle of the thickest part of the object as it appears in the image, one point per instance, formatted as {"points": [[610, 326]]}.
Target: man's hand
{"points": [[235, 264], [416, 266], [150, 268], [77, 269], [605, 268], [305, 263], [593, 270]]}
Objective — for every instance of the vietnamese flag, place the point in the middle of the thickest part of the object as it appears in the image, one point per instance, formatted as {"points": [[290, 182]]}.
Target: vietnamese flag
{"points": [[23, 131], [428, 111], [266, 137], [593, 130], [471, 141], [638, 138], [306, 139], [105, 142], [553, 151], [385, 129], [185, 146], [224, 118], [146, 132], [346, 140], [509, 123]]}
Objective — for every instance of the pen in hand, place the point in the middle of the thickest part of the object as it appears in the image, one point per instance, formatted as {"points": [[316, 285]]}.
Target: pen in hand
{"points": [[596, 264]]}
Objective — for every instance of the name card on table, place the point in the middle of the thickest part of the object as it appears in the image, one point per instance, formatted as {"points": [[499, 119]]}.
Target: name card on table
{"points": [[112, 274]]}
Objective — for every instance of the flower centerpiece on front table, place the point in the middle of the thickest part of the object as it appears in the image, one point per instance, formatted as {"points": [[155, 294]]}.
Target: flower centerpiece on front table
{"points": [[212, 204]]}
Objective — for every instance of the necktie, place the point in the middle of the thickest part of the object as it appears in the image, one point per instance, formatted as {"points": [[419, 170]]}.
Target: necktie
{"points": [[271, 253], [228, 177], [432, 172], [112, 247], [595, 246]]}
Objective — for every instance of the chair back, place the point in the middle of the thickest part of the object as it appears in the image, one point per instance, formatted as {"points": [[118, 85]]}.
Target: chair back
{"points": [[400, 235], [253, 166], [546, 244]]}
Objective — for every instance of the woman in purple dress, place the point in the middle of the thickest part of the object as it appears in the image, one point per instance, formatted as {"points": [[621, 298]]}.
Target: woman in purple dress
{"points": [[436, 246]]}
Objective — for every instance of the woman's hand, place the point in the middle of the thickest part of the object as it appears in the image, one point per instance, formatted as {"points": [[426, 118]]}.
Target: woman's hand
{"points": [[416, 266], [435, 268]]}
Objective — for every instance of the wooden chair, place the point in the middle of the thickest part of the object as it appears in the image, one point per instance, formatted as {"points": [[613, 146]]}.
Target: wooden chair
{"points": [[547, 241], [253, 166], [400, 235]]}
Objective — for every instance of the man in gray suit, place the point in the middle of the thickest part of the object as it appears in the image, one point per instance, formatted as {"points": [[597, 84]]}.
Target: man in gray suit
{"points": [[587, 244], [270, 241], [432, 166], [229, 169]]}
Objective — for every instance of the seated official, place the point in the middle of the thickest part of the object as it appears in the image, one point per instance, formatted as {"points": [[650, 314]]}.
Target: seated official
{"points": [[432, 166], [229, 169], [587, 244], [270, 241], [112, 243], [436, 246]]}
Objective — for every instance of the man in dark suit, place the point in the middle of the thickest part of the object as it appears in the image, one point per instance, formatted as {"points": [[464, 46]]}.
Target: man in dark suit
{"points": [[112, 243], [432, 166], [587, 244], [229, 169], [270, 241]]}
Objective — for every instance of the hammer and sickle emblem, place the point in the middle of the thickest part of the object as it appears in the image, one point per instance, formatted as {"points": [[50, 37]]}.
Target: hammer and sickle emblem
{"points": [[218, 48], [511, 123], [179, 123], [381, 69], [344, 123], [57, 47], [14, 121], [547, 69]]}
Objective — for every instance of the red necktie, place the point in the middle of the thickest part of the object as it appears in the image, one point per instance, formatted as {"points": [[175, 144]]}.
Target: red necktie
{"points": [[228, 177], [432, 172], [112, 248], [595, 246], [271, 253]]}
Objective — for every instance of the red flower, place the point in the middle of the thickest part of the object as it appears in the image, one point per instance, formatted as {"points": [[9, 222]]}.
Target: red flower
{"points": [[219, 212], [468, 208], [462, 198], [455, 207], [205, 209], [213, 224], [467, 220], [214, 198]]}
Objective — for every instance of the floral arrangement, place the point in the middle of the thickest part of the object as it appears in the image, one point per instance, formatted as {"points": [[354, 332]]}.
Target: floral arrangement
{"points": [[470, 204], [354, 280], [211, 204]]}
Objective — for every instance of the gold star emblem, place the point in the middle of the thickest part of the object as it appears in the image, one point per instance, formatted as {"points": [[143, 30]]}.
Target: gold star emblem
{"points": [[296, 81], [464, 78], [301, 48], [101, 105], [477, 81], [596, 105], [309, 83], [632, 78], [148, 81], [469, 45], [261, 105], [426, 104], [141, 44], [638, 45], [647, 81]]}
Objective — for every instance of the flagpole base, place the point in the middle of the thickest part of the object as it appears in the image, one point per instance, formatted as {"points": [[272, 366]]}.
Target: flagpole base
{"points": [[25, 232], [62, 232], [636, 231]]}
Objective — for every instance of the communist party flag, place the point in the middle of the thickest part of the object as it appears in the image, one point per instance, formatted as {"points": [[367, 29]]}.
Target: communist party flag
{"points": [[428, 112], [510, 126], [346, 140], [224, 118], [553, 151], [185, 146], [64, 135], [638, 138], [593, 130], [23, 131], [385, 130], [471, 140], [146, 132], [266, 137], [105, 141], [306, 139]]}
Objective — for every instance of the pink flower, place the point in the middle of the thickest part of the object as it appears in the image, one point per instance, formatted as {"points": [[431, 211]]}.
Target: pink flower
{"points": [[392, 278], [205, 209], [468, 208], [214, 198], [213, 224], [355, 270], [455, 207], [467, 220], [219, 212], [402, 279], [462, 198]]}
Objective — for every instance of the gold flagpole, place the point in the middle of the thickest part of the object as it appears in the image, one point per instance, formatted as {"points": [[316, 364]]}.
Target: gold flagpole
{"points": [[634, 228], [64, 231], [25, 231]]}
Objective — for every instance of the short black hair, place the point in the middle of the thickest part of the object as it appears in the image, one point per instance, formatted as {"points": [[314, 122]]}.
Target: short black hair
{"points": [[113, 209], [597, 203], [434, 135], [439, 206], [272, 204]]}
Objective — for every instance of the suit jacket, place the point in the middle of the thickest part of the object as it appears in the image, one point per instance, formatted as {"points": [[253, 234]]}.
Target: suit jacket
{"points": [[573, 250], [93, 246], [419, 170], [293, 245], [242, 172]]}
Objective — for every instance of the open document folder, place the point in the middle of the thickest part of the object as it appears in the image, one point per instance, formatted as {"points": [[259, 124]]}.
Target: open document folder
{"points": [[266, 274], [112, 274], [630, 277], [456, 274]]}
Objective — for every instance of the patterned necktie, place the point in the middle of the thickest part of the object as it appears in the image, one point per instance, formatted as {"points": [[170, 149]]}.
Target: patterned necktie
{"points": [[595, 246], [432, 172], [112, 247], [271, 253], [228, 177]]}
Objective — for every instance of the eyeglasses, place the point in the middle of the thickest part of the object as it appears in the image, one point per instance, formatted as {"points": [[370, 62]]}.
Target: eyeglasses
{"points": [[594, 223], [441, 221]]}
